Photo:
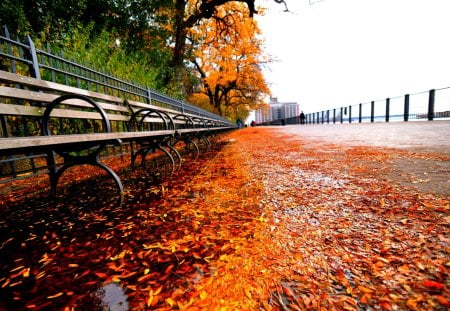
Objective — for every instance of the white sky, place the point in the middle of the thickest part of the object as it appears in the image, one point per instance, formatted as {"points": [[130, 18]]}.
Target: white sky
{"points": [[343, 52]]}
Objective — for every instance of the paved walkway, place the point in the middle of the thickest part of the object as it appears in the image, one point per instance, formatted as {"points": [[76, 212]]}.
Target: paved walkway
{"points": [[429, 136], [425, 165]]}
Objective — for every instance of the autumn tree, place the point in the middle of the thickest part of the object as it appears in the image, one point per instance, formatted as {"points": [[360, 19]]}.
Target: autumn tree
{"points": [[187, 14], [228, 56]]}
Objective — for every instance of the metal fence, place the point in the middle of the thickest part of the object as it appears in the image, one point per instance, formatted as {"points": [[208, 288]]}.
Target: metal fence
{"points": [[422, 106], [21, 56]]}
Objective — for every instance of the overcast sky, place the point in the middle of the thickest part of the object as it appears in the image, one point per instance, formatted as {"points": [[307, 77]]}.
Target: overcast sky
{"points": [[344, 52]]}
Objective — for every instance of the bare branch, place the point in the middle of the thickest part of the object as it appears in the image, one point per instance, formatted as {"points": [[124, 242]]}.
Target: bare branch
{"points": [[285, 4]]}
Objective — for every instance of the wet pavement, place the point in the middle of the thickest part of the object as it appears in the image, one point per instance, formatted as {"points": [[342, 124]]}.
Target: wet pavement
{"points": [[433, 136], [424, 160]]}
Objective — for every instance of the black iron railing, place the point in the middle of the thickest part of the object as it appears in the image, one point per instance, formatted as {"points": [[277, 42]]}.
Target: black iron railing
{"points": [[24, 58], [427, 105], [422, 106]]}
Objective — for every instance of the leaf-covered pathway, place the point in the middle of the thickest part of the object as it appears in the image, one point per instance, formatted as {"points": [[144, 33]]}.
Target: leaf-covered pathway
{"points": [[267, 223]]}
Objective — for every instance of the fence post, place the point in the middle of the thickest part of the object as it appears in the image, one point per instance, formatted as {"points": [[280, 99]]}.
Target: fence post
{"points": [[431, 105], [360, 113], [406, 109], [323, 117], [3, 120], [388, 102], [334, 116], [34, 66], [148, 98], [372, 111], [342, 115], [328, 116], [349, 114]]}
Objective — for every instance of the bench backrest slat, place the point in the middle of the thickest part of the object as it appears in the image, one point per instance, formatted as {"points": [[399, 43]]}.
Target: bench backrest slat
{"points": [[12, 78]]}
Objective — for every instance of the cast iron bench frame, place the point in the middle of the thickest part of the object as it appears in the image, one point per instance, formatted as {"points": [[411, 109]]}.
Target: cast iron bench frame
{"points": [[148, 126]]}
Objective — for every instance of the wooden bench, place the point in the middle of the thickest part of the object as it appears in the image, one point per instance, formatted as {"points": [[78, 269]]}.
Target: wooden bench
{"points": [[41, 118]]}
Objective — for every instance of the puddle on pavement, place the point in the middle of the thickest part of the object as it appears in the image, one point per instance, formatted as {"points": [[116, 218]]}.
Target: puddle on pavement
{"points": [[112, 298]]}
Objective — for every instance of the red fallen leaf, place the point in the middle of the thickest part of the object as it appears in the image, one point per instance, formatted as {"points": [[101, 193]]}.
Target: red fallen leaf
{"points": [[101, 275], [433, 285], [365, 298], [168, 269], [128, 275], [56, 295], [443, 300], [145, 277], [386, 305], [365, 289]]}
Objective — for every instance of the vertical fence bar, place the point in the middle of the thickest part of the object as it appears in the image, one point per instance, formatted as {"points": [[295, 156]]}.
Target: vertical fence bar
{"points": [[349, 114], [34, 66], [406, 109], [148, 98], [35, 73], [388, 102], [328, 116], [372, 111], [10, 50], [334, 116], [342, 115], [360, 113], [3, 120], [64, 68], [50, 63], [431, 105]]}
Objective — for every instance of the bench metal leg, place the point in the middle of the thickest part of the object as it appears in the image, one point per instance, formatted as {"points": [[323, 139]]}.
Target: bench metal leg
{"points": [[207, 142], [196, 150], [175, 155], [55, 172], [159, 167]]}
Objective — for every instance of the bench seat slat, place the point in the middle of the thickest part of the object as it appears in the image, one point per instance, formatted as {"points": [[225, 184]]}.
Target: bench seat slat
{"points": [[17, 145]]}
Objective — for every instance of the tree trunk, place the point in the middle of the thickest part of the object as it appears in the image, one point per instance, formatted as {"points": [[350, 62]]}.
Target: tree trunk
{"points": [[180, 42]]}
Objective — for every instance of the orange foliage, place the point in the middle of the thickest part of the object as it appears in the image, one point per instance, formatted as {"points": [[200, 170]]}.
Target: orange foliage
{"points": [[228, 56]]}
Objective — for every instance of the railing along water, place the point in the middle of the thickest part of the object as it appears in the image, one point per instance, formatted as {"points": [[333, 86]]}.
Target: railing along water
{"points": [[428, 105], [421, 106]]}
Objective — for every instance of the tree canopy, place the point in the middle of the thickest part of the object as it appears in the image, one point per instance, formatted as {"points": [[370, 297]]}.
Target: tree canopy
{"points": [[167, 37], [227, 56]]}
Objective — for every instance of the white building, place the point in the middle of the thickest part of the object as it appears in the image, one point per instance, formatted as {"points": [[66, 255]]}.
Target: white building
{"points": [[277, 111]]}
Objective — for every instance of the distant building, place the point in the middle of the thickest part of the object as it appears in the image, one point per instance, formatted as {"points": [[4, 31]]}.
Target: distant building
{"points": [[276, 111]]}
